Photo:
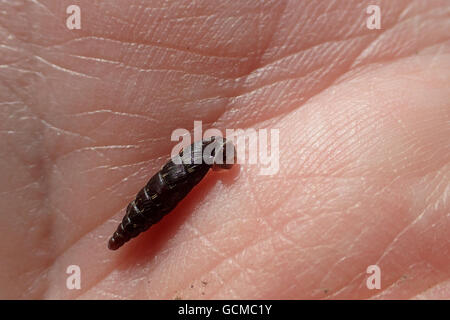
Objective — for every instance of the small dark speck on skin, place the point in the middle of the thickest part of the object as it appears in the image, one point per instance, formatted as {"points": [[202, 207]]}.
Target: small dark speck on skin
{"points": [[192, 286], [203, 293], [325, 291], [177, 298], [204, 283]]}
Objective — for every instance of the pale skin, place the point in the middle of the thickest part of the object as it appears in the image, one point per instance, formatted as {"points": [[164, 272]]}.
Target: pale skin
{"points": [[86, 118]]}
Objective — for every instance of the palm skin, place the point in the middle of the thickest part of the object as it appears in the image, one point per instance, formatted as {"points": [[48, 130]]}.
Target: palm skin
{"points": [[86, 117]]}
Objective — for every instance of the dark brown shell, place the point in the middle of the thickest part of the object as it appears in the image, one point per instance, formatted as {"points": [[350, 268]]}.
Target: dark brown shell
{"points": [[163, 192]]}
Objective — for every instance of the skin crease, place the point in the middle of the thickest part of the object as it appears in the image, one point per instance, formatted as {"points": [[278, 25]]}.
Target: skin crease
{"points": [[86, 117]]}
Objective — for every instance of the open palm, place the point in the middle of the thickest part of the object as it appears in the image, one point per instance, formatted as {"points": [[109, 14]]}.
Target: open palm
{"points": [[86, 118]]}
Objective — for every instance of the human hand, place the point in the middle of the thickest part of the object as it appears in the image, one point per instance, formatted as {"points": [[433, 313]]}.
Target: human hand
{"points": [[86, 118]]}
